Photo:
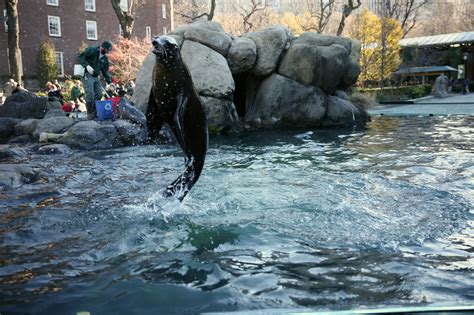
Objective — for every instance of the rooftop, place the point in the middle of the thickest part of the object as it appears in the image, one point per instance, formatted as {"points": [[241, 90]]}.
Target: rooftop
{"points": [[439, 40], [430, 69]]}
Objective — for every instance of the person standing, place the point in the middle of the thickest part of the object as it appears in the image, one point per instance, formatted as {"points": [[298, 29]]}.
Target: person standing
{"points": [[94, 60]]}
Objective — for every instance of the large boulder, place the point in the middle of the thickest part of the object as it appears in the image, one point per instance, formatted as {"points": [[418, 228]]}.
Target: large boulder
{"points": [[341, 112], [270, 43], [280, 100], [26, 127], [220, 113], [24, 105], [209, 70], [309, 62], [14, 175], [242, 55], [129, 133], [143, 83], [53, 125], [352, 68], [218, 41], [7, 128]]}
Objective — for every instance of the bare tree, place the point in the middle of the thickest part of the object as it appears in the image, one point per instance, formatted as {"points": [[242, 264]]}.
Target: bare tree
{"points": [[190, 11], [348, 7], [406, 12], [314, 15], [13, 39], [126, 15], [249, 13]]}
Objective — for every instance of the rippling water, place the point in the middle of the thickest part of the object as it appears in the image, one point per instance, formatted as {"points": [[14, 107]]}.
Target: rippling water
{"points": [[301, 219]]}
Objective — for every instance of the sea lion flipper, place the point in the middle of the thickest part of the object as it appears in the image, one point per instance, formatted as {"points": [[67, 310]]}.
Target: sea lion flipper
{"points": [[154, 120]]}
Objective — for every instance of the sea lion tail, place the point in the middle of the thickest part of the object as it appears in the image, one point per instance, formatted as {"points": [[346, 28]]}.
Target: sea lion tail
{"points": [[180, 187]]}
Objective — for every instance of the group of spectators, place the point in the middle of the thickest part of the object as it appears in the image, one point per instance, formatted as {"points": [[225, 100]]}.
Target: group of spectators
{"points": [[88, 90]]}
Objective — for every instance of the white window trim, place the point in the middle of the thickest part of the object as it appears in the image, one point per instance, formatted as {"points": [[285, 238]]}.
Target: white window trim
{"points": [[148, 32], [61, 66], [165, 30], [163, 10], [54, 3], [5, 20], [58, 19], [88, 22], [120, 30], [93, 4]]}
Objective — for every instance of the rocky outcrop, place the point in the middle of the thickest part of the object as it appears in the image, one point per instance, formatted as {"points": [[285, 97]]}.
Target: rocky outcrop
{"points": [[269, 77], [24, 105], [14, 175]]}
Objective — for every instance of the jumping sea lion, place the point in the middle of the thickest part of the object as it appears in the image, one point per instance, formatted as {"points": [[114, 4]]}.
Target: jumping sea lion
{"points": [[175, 101]]}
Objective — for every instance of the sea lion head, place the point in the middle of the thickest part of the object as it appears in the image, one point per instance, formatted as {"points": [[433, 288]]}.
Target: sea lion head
{"points": [[166, 49]]}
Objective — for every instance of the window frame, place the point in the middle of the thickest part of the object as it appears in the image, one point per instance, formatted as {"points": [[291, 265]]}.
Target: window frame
{"points": [[91, 22], [58, 20], [53, 3], [94, 5], [163, 11], [165, 30], [148, 32], [5, 18], [61, 64]]}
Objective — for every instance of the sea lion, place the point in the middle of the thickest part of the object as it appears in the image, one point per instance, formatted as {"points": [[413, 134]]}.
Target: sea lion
{"points": [[175, 101]]}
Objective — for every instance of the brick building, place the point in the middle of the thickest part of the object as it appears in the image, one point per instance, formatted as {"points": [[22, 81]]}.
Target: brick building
{"points": [[72, 24]]}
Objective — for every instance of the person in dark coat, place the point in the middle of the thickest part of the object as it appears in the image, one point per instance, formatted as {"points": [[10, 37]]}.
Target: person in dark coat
{"points": [[94, 60]]}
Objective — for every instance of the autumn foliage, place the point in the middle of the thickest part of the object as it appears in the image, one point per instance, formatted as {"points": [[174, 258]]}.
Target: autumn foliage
{"points": [[127, 57]]}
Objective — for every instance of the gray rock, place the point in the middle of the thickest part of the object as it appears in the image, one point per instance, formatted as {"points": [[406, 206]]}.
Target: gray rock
{"points": [[341, 112], [242, 55], [209, 25], [20, 139], [217, 41], [441, 86], [270, 43], [53, 125], [143, 83], [7, 128], [91, 135], [352, 69], [316, 39], [320, 66], [26, 105], [209, 70], [281, 100], [55, 112], [129, 133], [15, 175], [221, 113], [11, 152], [26, 127], [54, 149]]}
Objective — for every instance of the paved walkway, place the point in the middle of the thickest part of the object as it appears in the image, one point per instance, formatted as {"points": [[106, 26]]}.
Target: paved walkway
{"points": [[453, 105]]}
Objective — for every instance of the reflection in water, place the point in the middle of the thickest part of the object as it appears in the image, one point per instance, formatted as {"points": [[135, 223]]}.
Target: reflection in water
{"points": [[321, 219]]}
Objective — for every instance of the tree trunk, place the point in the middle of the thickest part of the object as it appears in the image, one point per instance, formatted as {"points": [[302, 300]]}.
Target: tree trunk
{"points": [[13, 40], [347, 10], [213, 8], [125, 18]]}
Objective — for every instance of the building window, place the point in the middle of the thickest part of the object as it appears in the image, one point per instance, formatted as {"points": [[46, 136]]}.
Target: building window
{"points": [[54, 24], [163, 9], [124, 5], [5, 20], [90, 5], [165, 31], [148, 32], [120, 30], [91, 28], [59, 62], [52, 2]]}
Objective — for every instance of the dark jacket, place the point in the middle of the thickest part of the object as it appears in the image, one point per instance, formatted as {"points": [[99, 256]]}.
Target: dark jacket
{"points": [[90, 56]]}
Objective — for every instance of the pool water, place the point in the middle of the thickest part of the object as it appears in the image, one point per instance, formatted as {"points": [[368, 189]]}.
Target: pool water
{"points": [[288, 219]]}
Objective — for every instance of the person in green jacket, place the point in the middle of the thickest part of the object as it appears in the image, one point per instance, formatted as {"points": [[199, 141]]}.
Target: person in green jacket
{"points": [[94, 60]]}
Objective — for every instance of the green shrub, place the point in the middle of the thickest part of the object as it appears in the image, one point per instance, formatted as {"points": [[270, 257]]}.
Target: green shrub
{"points": [[397, 93], [46, 65]]}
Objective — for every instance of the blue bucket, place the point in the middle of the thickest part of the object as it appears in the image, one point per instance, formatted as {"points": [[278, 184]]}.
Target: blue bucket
{"points": [[105, 110]]}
